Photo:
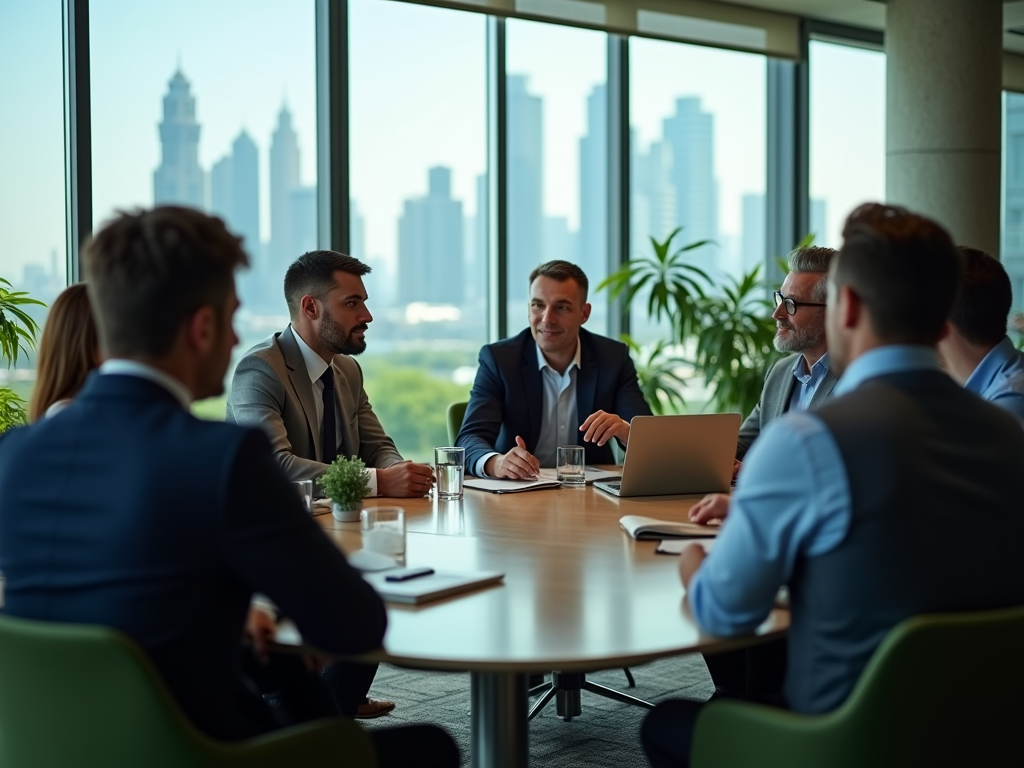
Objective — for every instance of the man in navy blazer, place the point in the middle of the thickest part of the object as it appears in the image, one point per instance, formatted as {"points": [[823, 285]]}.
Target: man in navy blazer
{"points": [[553, 384], [125, 510]]}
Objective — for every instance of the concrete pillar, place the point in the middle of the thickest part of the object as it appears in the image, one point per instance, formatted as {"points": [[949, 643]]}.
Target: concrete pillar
{"points": [[944, 113]]}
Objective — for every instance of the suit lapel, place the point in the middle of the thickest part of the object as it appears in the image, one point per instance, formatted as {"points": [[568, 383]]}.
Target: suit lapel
{"points": [[586, 382], [532, 388], [824, 389], [785, 388], [302, 386]]}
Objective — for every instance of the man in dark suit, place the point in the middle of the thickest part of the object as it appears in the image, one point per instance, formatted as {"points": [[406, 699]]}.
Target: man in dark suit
{"points": [[125, 510], [858, 506], [553, 384], [802, 379], [303, 388]]}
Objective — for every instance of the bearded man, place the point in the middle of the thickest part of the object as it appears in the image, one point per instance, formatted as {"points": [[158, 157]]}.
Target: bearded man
{"points": [[302, 387], [801, 380]]}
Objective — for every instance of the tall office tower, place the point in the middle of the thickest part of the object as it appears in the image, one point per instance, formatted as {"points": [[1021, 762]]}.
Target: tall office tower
{"points": [[284, 177], [430, 244], [593, 233], [690, 134], [179, 179], [653, 201], [475, 258], [357, 231], [525, 189], [235, 192], [754, 238], [302, 215]]}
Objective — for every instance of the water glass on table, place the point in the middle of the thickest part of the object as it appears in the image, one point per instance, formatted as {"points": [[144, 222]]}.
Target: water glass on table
{"points": [[570, 466], [305, 490], [449, 465], [384, 531]]}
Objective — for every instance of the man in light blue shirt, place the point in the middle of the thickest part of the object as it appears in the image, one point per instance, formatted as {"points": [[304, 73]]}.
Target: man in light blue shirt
{"points": [[855, 507], [977, 352]]}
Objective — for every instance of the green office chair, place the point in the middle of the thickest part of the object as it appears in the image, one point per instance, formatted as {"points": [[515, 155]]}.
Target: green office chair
{"points": [[941, 690], [456, 413], [87, 696]]}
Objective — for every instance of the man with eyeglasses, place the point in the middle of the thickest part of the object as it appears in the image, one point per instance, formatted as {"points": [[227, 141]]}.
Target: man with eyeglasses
{"points": [[802, 379]]}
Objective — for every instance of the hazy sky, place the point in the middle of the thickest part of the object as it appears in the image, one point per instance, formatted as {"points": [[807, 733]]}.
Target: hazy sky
{"points": [[418, 98]]}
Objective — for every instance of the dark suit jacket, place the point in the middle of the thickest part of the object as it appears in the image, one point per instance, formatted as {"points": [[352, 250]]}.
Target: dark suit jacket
{"points": [[778, 388], [508, 398], [125, 510], [271, 390]]}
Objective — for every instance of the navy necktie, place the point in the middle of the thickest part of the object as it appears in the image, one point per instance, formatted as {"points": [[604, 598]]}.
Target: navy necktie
{"points": [[329, 431]]}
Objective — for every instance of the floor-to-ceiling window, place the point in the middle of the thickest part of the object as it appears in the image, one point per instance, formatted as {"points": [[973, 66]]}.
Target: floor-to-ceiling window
{"points": [[418, 143], [847, 134], [32, 219], [1012, 241]]}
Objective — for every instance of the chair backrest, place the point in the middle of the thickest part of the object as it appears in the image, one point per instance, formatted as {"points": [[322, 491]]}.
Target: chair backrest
{"points": [[456, 413], [83, 695], [944, 689], [86, 696]]}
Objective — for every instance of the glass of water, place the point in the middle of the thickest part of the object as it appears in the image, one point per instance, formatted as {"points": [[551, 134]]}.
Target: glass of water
{"points": [[570, 467], [305, 491], [384, 531], [449, 464]]}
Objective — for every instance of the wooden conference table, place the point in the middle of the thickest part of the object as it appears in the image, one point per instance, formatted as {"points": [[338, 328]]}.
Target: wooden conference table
{"points": [[579, 595]]}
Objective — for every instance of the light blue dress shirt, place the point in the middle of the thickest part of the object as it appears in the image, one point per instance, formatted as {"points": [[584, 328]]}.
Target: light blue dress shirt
{"points": [[560, 419], [999, 378], [807, 382], [792, 499]]}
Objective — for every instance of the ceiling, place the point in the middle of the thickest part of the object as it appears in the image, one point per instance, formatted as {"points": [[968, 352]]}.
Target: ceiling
{"points": [[871, 14]]}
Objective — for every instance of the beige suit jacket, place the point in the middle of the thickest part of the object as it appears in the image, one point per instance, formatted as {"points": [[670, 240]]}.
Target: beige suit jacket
{"points": [[271, 390]]}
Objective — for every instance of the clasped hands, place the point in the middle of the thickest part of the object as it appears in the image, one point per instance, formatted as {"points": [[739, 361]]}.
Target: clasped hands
{"points": [[519, 464]]}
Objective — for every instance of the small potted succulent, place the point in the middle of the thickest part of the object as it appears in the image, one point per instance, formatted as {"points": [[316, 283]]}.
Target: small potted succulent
{"points": [[346, 483]]}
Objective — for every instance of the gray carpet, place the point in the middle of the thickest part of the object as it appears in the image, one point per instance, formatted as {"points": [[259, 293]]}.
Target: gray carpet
{"points": [[606, 734]]}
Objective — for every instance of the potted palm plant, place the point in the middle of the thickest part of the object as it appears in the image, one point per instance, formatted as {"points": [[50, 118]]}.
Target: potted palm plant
{"points": [[346, 484], [17, 336]]}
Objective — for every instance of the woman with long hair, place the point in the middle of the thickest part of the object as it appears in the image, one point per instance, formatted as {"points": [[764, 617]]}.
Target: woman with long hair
{"points": [[68, 349]]}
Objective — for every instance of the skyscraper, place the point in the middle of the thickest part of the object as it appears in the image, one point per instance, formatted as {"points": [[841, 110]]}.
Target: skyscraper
{"points": [[592, 239], [690, 134], [179, 178], [284, 177], [430, 244], [235, 192], [525, 189]]}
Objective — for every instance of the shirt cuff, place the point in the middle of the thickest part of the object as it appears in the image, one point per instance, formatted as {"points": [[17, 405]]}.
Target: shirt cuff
{"points": [[371, 476], [263, 603], [478, 468]]}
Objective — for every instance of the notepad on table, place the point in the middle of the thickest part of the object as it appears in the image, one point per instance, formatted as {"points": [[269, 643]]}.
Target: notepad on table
{"points": [[433, 587], [547, 478], [640, 527]]}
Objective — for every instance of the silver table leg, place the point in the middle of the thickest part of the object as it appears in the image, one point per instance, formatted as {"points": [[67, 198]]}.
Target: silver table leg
{"points": [[498, 720]]}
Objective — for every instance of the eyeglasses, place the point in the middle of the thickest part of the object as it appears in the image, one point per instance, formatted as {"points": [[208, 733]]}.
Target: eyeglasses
{"points": [[792, 305]]}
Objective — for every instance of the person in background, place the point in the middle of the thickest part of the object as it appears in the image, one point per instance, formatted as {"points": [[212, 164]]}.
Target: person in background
{"points": [[977, 352], [858, 507], [69, 349], [553, 384]]}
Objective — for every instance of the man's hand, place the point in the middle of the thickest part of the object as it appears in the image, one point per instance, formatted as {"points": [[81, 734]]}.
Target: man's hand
{"points": [[517, 464], [600, 427], [714, 506], [260, 628], [689, 561], [405, 480]]}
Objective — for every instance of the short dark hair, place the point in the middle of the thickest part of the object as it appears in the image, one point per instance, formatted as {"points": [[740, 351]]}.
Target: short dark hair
{"points": [[905, 269], [313, 274], [560, 271], [149, 270], [814, 259], [983, 306]]}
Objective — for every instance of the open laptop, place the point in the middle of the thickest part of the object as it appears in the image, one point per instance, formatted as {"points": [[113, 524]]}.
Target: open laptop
{"points": [[677, 454]]}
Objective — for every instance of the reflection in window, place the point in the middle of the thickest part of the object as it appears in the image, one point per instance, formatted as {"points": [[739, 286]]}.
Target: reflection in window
{"points": [[418, 143], [557, 158], [847, 134], [32, 213]]}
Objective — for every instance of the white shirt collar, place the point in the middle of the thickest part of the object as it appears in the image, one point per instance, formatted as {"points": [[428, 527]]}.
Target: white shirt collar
{"points": [[120, 367], [542, 361], [315, 365]]}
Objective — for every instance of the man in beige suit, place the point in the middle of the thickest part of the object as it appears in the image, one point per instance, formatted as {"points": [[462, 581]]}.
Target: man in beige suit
{"points": [[302, 387]]}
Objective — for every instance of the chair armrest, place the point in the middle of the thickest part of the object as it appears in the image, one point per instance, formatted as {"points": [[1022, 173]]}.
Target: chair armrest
{"points": [[331, 742]]}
